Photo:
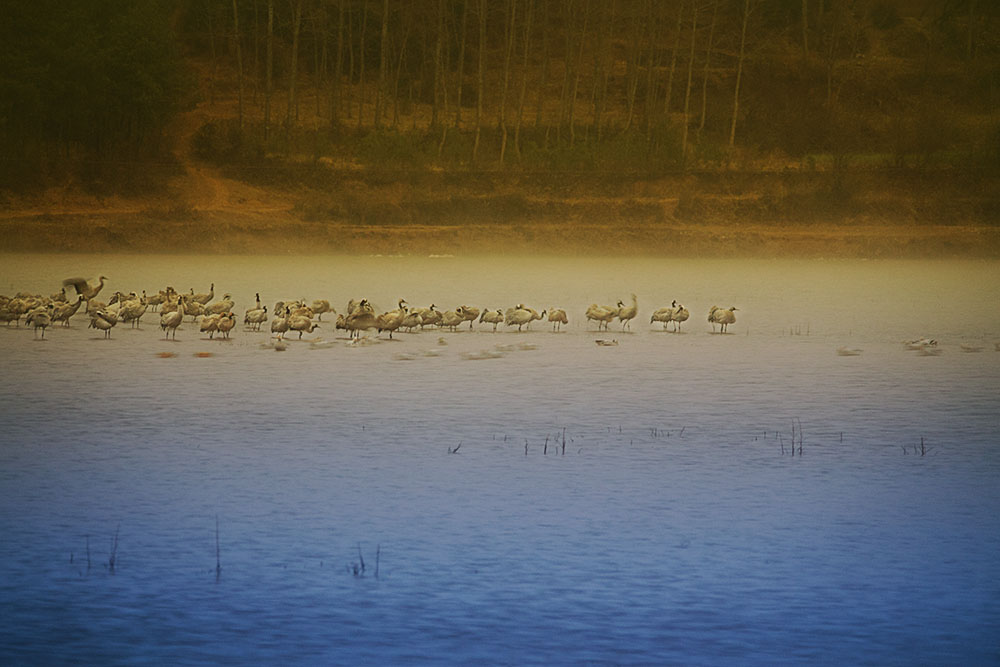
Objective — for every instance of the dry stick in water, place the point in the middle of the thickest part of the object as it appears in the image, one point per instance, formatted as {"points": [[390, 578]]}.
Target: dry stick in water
{"points": [[113, 556], [218, 559], [800, 435]]}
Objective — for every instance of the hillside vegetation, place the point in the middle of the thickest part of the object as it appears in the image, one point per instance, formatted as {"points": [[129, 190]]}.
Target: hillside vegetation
{"points": [[641, 116]]}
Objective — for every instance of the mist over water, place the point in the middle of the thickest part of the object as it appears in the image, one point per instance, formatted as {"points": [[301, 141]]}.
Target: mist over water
{"points": [[674, 526]]}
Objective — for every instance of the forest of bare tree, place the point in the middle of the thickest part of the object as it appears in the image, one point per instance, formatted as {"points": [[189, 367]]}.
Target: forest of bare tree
{"points": [[561, 85]]}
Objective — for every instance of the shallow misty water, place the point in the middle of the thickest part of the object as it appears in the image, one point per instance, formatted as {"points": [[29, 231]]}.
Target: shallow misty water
{"points": [[673, 528]]}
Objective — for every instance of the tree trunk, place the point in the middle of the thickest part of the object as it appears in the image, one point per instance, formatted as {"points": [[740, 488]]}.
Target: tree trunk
{"points": [[480, 78], [508, 52], [805, 28], [545, 66], [651, 63], [529, 14], [704, 78], [361, 64], [970, 35], [383, 65], [398, 74], [632, 72], [319, 53], [568, 16], [739, 74], [576, 73], [239, 61], [438, 68], [338, 73], [673, 59], [687, 90], [215, 65], [255, 65], [291, 113], [461, 63], [269, 80], [601, 67]]}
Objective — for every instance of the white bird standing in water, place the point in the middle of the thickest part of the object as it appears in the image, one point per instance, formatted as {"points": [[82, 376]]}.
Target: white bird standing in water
{"points": [[626, 313], [40, 318], [722, 316], [468, 313], [361, 318], [391, 320], [451, 319], [558, 318], [204, 297], [680, 314], [521, 316], [302, 324], [320, 306], [104, 321], [662, 315], [493, 317], [220, 307], [279, 325], [603, 315], [226, 324], [428, 316], [210, 324], [170, 320], [65, 311], [255, 318]]}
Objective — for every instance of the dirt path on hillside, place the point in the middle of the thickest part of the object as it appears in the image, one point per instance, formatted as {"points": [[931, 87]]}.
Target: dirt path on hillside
{"points": [[201, 187]]}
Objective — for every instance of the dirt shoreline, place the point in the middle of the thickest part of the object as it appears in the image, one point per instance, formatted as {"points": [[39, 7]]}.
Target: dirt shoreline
{"points": [[277, 232]]}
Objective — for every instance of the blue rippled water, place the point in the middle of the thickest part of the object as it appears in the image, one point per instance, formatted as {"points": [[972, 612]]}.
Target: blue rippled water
{"points": [[628, 504]]}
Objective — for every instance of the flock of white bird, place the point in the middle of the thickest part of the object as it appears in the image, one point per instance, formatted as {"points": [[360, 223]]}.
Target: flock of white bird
{"points": [[217, 316]]}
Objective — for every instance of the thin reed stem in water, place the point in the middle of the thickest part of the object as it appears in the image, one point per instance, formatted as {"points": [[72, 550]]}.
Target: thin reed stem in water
{"points": [[218, 553]]}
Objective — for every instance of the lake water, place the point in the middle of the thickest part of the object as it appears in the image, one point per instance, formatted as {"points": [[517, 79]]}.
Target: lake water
{"points": [[627, 504]]}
